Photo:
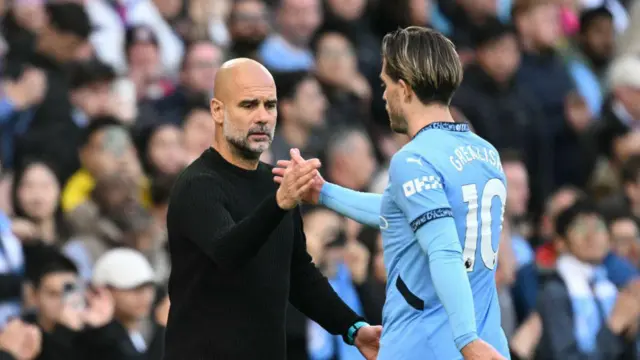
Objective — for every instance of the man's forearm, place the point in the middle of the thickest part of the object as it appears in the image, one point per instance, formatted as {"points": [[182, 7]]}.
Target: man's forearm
{"points": [[359, 206], [228, 243], [451, 282]]}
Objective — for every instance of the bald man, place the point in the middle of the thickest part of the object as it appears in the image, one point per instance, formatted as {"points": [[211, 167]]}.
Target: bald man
{"points": [[237, 247]]}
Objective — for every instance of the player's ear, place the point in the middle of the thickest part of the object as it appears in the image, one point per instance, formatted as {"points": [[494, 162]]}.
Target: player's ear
{"points": [[217, 111], [406, 90]]}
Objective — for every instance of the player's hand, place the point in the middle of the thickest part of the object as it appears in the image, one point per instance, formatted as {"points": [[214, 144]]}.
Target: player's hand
{"points": [[101, 308], [368, 341], [312, 196], [297, 178], [480, 350]]}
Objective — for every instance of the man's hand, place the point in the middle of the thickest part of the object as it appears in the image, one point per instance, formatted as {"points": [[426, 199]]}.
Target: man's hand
{"points": [[101, 308], [21, 340], [297, 179], [312, 195], [28, 90], [368, 341], [480, 350]]}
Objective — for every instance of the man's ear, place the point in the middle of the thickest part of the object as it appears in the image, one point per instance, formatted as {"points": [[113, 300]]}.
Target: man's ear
{"points": [[217, 111], [407, 92]]}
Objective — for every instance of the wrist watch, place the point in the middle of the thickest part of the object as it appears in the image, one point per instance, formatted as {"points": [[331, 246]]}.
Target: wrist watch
{"points": [[350, 338]]}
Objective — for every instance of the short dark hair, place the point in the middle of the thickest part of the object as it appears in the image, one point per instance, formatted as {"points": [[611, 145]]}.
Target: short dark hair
{"points": [[492, 31], [567, 217], [289, 82], [43, 260], [588, 16], [69, 17], [95, 126], [630, 172], [86, 73], [426, 60]]}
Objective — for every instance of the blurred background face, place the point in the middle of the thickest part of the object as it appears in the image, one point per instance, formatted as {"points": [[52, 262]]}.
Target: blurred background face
{"points": [[30, 14], [625, 239], [144, 56], [358, 161], [547, 25], [93, 100], [38, 192], [309, 105], [248, 24], [49, 297], [517, 188], [325, 239], [201, 66], [348, 9], [598, 40], [199, 130], [501, 58], [299, 19], [560, 201], [166, 151], [588, 239], [109, 151], [335, 59], [133, 305]]}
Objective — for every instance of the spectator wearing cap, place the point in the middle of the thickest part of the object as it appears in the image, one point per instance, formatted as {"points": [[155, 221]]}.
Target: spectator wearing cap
{"points": [[143, 61], [51, 130], [91, 96], [114, 17], [288, 50], [499, 106], [130, 279], [589, 58]]}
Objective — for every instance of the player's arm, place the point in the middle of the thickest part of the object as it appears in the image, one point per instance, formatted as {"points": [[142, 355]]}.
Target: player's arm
{"points": [[359, 206], [201, 214], [311, 292], [418, 189]]}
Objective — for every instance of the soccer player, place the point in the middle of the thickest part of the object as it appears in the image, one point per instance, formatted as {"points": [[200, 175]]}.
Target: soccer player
{"points": [[440, 216]]}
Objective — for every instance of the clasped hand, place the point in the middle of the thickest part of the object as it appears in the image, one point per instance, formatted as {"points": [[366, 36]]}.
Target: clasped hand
{"points": [[297, 179]]}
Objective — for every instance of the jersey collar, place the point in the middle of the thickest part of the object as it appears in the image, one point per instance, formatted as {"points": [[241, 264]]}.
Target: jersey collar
{"points": [[444, 125]]}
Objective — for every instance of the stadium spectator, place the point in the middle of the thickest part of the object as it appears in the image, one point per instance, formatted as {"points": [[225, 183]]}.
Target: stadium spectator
{"points": [[625, 238], [301, 115], [248, 28], [349, 159], [198, 129], [161, 149]]}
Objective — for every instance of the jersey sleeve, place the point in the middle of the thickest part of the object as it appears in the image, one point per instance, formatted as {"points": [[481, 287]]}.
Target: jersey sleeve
{"points": [[418, 189]]}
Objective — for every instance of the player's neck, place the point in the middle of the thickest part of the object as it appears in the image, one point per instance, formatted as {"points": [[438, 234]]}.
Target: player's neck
{"points": [[425, 115]]}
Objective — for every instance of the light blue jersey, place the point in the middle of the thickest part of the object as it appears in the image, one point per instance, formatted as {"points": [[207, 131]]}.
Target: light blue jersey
{"points": [[441, 218]]}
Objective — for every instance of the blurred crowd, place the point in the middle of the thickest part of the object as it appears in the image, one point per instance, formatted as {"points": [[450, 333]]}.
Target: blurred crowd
{"points": [[104, 102]]}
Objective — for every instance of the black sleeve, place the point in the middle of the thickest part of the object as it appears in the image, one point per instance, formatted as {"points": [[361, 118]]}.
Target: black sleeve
{"points": [[311, 292], [372, 299], [555, 311], [59, 344], [206, 222], [10, 286]]}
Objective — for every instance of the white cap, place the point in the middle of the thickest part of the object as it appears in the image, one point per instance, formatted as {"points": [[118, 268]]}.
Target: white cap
{"points": [[625, 71], [122, 268]]}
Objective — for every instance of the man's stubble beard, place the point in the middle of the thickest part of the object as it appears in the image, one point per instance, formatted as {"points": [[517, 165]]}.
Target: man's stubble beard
{"points": [[240, 143], [397, 121]]}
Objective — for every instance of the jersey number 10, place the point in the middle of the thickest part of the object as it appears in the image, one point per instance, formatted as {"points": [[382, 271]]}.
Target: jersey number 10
{"points": [[492, 188]]}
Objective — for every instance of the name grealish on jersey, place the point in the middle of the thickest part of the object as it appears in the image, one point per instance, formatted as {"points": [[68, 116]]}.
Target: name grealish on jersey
{"points": [[464, 155]]}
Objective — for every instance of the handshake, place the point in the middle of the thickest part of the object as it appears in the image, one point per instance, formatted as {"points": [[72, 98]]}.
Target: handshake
{"points": [[299, 181]]}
